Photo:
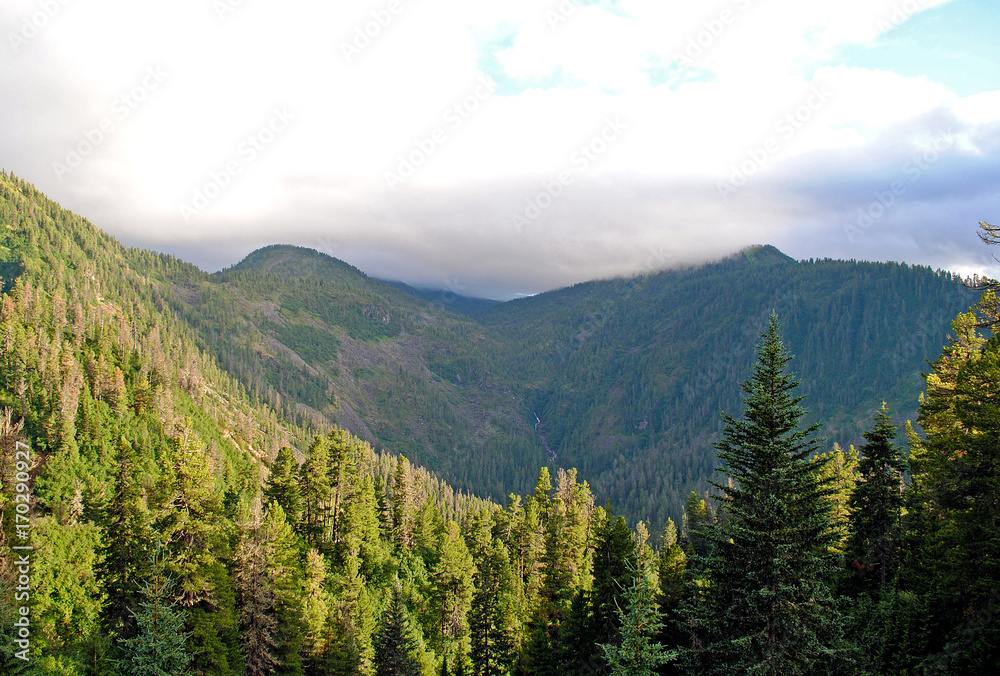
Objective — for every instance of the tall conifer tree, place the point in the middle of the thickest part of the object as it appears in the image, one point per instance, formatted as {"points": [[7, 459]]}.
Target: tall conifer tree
{"points": [[876, 505], [125, 550], [159, 646], [394, 643], [767, 607]]}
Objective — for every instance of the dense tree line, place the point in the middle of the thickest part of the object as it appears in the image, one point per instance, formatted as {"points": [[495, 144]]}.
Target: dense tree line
{"points": [[183, 525]]}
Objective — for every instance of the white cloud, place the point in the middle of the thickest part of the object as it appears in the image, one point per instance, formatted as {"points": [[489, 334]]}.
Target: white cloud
{"points": [[355, 115]]}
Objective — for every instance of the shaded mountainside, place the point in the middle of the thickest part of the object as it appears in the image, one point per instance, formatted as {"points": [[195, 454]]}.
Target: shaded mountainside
{"points": [[628, 377], [625, 379]]}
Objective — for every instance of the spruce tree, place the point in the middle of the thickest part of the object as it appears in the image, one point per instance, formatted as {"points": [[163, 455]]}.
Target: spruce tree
{"points": [[766, 606], [159, 647], [394, 643], [125, 550], [876, 505], [283, 486], [638, 653]]}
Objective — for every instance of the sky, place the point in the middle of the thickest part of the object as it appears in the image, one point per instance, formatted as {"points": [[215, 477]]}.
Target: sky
{"points": [[505, 148]]}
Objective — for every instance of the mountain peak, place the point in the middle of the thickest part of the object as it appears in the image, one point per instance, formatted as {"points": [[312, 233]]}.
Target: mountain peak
{"points": [[290, 260], [764, 254]]}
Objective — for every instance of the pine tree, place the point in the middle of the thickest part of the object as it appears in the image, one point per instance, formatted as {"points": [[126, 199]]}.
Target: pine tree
{"points": [[394, 643], [160, 645], [876, 504], [767, 607], [638, 654]]}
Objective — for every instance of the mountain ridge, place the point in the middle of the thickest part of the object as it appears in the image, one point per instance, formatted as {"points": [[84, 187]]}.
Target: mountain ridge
{"points": [[623, 378]]}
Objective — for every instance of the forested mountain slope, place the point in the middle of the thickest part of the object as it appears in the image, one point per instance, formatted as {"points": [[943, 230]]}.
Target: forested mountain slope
{"points": [[318, 339], [129, 438], [190, 511], [625, 379], [628, 377]]}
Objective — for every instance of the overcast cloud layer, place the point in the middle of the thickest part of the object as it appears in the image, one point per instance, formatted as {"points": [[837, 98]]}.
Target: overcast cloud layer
{"points": [[500, 148]]}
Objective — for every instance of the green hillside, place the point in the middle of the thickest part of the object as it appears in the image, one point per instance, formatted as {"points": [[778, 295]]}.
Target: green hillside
{"points": [[319, 340], [625, 379], [174, 498], [628, 377]]}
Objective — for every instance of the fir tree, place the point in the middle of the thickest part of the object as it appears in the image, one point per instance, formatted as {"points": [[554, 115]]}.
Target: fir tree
{"points": [[402, 506], [394, 643], [491, 617], [876, 504], [615, 563], [315, 611], [314, 478], [189, 519], [952, 564], [672, 573], [452, 590], [767, 607]]}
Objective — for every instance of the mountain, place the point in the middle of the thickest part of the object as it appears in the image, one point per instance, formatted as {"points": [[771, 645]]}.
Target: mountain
{"points": [[173, 495], [625, 379], [321, 341]]}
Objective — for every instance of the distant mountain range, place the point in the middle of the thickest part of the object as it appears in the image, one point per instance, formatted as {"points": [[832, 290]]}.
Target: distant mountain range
{"points": [[625, 379]]}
